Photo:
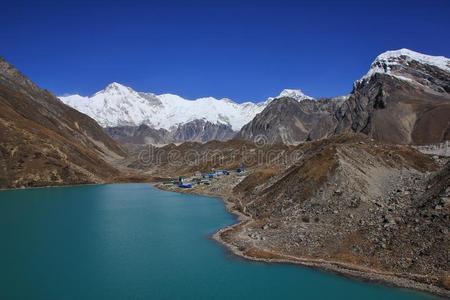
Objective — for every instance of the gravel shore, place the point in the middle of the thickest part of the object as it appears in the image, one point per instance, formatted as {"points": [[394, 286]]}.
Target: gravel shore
{"points": [[230, 237]]}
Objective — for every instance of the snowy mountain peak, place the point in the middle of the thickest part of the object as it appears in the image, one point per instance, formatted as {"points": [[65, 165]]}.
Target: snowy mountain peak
{"points": [[118, 105], [402, 63], [404, 55], [296, 94], [115, 85], [116, 89]]}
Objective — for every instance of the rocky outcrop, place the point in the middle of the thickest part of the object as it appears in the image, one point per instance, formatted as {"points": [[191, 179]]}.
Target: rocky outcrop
{"points": [[45, 142], [194, 131], [202, 131], [404, 98], [289, 121], [396, 111], [139, 135]]}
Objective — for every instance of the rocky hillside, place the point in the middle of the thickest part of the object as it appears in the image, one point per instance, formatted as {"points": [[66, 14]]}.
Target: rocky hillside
{"points": [[404, 98], [203, 131], [139, 135], [193, 131], [359, 205], [289, 121], [184, 159], [346, 203], [45, 142]]}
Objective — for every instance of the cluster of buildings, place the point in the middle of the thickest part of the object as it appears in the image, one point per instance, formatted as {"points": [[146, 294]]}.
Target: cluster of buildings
{"points": [[203, 178]]}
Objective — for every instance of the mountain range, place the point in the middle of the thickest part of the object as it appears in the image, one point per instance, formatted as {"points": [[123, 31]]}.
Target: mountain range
{"points": [[167, 117], [403, 98], [118, 105]]}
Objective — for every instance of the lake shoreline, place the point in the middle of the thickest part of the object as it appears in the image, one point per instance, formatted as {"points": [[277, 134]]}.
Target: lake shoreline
{"points": [[347, 270], [242, 220], [53, 186]]}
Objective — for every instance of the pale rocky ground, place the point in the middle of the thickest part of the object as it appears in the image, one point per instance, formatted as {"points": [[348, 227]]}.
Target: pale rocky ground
{"points": [[440, 149], [376, 212]]}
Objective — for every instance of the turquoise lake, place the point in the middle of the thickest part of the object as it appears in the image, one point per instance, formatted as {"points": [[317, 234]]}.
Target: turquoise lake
{"points": [[132, 241]]}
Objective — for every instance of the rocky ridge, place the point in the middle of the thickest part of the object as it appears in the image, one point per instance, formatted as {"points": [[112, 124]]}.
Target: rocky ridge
{"points": [[288, 121], [403, 99], [193, 131]]}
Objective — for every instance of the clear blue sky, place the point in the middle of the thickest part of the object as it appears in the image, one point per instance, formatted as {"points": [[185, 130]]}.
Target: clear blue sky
{"points": [[244, 50]]}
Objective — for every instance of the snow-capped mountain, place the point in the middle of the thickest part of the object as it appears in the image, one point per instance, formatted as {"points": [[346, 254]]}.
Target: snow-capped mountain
{"points": [[407, 65], [118, 105], [404, 98], [294, 94]]}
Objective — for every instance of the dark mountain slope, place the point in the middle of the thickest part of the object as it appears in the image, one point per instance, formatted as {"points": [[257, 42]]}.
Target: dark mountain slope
{"points": [[45, 142], [404, 99], [203, 131], [194, 131], [396, 111], [142, 134], [289, 121]]}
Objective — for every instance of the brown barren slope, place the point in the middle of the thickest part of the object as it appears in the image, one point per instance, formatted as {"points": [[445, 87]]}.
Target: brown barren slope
{"points": [[348, 204], [44, 142]]}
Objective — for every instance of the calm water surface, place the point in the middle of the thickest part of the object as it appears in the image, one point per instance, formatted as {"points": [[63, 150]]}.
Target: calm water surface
{"points": [[131, 241]]}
